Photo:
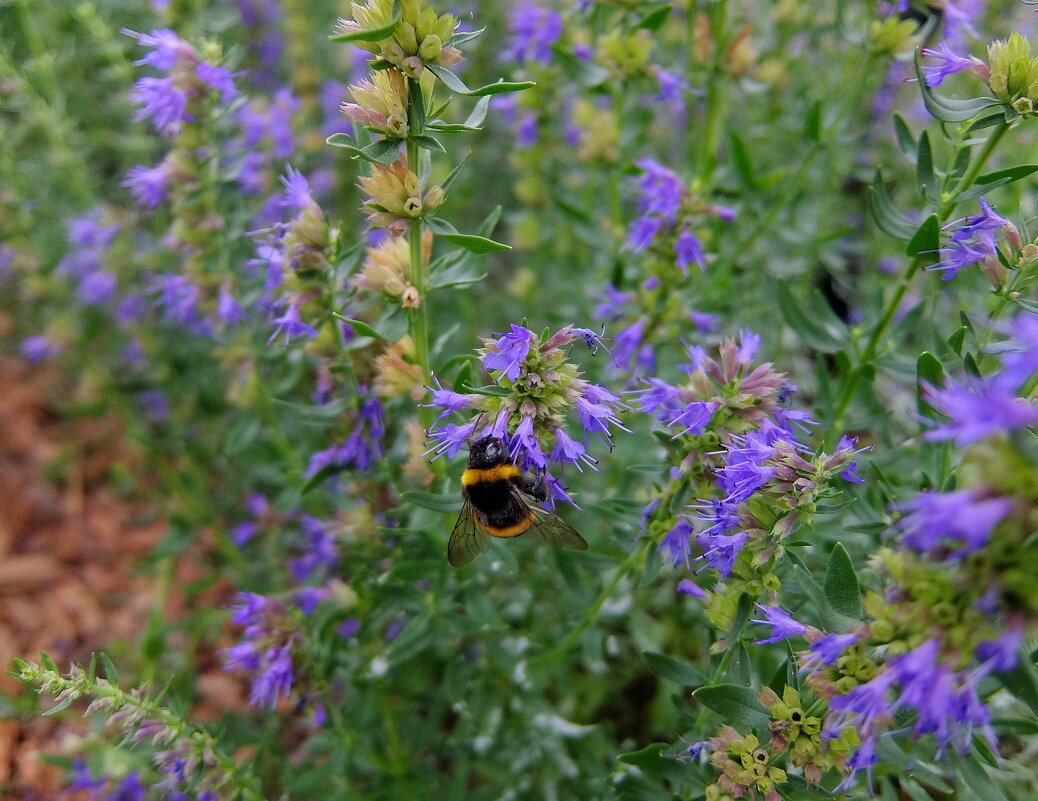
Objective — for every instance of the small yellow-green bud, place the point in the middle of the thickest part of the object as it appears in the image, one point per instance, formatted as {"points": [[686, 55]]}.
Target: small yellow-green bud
{"points": [[407, 37], [430, 48], [891, 36]]}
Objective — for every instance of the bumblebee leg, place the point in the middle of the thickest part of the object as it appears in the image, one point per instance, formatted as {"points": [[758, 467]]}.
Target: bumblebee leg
{"points": [[533, 485]]}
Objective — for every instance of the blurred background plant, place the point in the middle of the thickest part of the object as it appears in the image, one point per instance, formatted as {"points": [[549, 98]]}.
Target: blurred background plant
{"points": [[298, 249]]}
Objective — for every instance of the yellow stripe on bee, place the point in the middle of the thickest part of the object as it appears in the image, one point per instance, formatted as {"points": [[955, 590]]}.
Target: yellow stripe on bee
{"points": [[510, 531], [501, 472]]}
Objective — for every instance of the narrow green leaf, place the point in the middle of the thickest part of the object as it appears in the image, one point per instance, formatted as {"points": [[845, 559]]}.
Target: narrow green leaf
{"points": [[360, 327], [476, 244], [926, 241], [489, 389], [341, 140], [318, 478], [735, 703], [988, 121], [905, 141], [842, 590], [654, 19], [448, 182], [957, 339], [924, 173], [813, 122], [976, 779], [464, 377], [804, 323], [439, 226], [885, 213], [668, 667], [929, 372], [456, 85], [648, 757], [741, 160], [464, 36], [110, 672], [428, 143], [382, 151], [992, 180], [969, 363], [372, 34], [1022, 681], [63, 704], [447, 504]]}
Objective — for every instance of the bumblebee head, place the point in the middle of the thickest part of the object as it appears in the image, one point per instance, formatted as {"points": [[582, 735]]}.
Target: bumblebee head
{"points": [[487, 452]]}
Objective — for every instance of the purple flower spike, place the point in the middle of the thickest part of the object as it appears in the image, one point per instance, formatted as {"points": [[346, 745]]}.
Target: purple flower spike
{"points": [[950, 64], [290, 324]]}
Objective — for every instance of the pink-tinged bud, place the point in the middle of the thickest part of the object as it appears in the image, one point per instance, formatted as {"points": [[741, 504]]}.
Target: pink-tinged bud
{"points": [[412, 67], [979, 68], [365, 116], [410, 299], [1012, 236], [995, 271], [449, 56]]}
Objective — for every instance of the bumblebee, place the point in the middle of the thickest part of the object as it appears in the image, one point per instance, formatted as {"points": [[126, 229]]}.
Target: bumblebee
{"points": [[497, 503]]}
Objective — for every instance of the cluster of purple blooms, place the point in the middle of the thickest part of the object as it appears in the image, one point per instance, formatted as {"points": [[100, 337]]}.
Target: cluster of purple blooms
{"points": [[533, 31], [362, 447], [659, 196], [510, 357], [973, 242], [265, 648]]}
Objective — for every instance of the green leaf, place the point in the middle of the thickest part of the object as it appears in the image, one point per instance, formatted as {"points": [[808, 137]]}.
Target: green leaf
{"points": [[988, 122], [741, 160], [654, 19], [381, 151], [447, 504], [476, 244], [924, 173], [991, 180], [110, 672], [842, 590], [905, 141], [361, 328], [649, 757], [926, 241], [439, 226], [492, 390], [735, 703], [885, 213], [460, 272], [668, 667], [456, 85], [804, 323], [950, 109], [63, 704], [318, 478], [929, 371], [462, 37], [975, 777], [813, 122], [473, 123], [448, 182], [372, 34], [957, 340], [428, 143]]}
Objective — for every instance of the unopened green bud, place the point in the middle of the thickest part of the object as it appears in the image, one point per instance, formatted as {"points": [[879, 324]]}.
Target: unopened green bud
{"points": [[434, 198], [410, 10], [1023, 106], [430, 48], [406, 36]]}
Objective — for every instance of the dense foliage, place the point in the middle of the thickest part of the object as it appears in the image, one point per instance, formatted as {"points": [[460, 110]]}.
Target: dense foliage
{"points": [[744, 289]]}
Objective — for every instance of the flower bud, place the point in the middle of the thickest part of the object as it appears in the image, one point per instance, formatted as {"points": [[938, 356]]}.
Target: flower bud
{"points": [[430, 48]]}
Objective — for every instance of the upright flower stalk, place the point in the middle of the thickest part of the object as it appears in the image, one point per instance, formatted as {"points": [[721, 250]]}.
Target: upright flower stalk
{"points": [[410, 43]]}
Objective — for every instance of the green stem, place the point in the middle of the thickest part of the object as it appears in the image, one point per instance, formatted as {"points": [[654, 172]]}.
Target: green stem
{"points": [[944, 211], [716, 99], [418, 318]]}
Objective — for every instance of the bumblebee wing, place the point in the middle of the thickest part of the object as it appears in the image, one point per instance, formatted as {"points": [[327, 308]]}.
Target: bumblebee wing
{"points": [[467, 540], [549, 527]]}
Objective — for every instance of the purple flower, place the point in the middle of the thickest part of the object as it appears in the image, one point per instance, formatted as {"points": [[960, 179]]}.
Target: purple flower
{"points": [[131, 788], [526, 132], [219, 78], [297, 190], [290, 324], [534, 30], [986, 221], [178, 297], [168, 47], [950, 64], [87, 231], [672, 88], [659, 398], [643, 231], [688, 587], [959, 520], [526, 444], [695, 417], [628, 340], [148, 185], [81, 778], [688, 249], [511, 350], [35, 349], [348, 628], [720, 551], [273, 677], [570, 450], [319, 553], [863, 757], [280, 119], [446, 399], [160, 100], [97, 287], [228, 310], [611, 301], [783, 626], [977, 413], [678, 542], [827, 650], [450, 438], [659, 190]]}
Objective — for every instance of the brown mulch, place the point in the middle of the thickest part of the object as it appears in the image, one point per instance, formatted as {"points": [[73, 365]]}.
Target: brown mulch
{"points": [[70, 549]]}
